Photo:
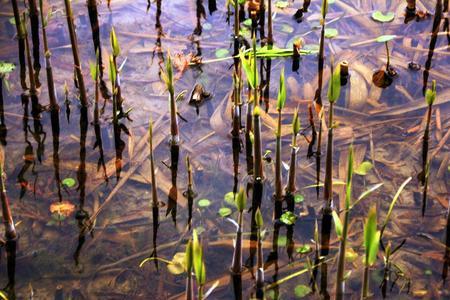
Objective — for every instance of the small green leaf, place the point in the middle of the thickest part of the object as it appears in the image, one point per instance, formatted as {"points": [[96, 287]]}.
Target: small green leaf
{"points": [[383, 18], [221, 53], [385, 38], [247, 22], [428, 272], [304, 249], [259, 219], [189, 257], [114, 43], [331, 33], [229, 198], [282, 4], [334, 86], [302, 291], [6, 67], [281, 92], [224, 212], [364, 168], [203, 203], [299, 198], [371, 237], [69, 182], [12, 21], [241, 200], [177, 265], [337, 224], [288, 218], [430, 94], [295, 124]]}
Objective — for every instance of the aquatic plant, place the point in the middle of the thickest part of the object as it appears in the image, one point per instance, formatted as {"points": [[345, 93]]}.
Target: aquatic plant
{"points": [[152, 167], [23, 26], [430, 97], [189, 261], [10, 229], [260, 266], [75, 53], [198, 264], [280, 104], [48, 63], [241, 203], [117, 89], [21, 44], [371, 245], [290, 187], [383, 78], [33, 14], [167, 76], [334, 89]]}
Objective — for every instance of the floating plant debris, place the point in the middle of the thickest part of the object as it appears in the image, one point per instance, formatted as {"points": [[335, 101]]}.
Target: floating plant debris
{"points": [[383, 17]]}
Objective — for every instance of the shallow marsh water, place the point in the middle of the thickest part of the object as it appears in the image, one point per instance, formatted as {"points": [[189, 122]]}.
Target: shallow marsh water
{"points": [[386, 127]]}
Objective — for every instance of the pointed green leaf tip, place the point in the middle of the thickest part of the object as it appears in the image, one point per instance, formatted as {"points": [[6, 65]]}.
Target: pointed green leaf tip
{"points": [[94, 70], [385, 38], [114, 43], [241, 200], [188, 259], [168, 74], [371, 237], [337, 224], [383, 18], [112, 71], [295, 123], [430, 94], [247, 64], [197, 255], [281, 92], [334, 86], [259, 219], [324, 8], [348, 192]]}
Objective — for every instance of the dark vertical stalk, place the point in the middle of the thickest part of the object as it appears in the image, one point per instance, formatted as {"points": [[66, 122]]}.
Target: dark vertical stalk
{"points": [[21, 43], [31, 77], [34, 20], [3, 128], [433, 40], [75, 53], [48, 63]]}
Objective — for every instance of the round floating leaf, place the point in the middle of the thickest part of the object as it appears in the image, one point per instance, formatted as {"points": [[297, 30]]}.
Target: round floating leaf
{"points": [[364, 168], [224, 212], [229, 198], [288, 218], [6, 67], [302, 291], [287, 28], [331, 33], [304, 249], [221, 53], [207, 26], [385, 38], [247, 22], [383, 18], [282, 4], [176, 266], [299, 198], [203, 203], [69, 182], [282, 241]]}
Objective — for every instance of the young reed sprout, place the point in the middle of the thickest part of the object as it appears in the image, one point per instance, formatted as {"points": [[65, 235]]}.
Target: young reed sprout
{"points": [[48, 63], [430, 97], [290, 189], [260, 272], [95, 75], [199, 264], [75, 53], [167, 76], [340, 283], [281, 101], [334, 89], [241, 203], [371, 245], [189, 260]]}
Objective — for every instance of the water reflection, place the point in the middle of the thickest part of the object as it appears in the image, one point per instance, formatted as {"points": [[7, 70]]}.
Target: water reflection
{"points": [[173, 192], [433, 41]]}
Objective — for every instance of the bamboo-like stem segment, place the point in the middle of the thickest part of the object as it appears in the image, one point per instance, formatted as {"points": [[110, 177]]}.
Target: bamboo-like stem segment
{"points": [[328, 188], [75, 53]]}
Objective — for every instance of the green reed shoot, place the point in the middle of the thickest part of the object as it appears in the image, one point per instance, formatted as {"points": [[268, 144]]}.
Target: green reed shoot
{"points": [[281, 101], [167, 76], [199, 264], [371, 245], [260, 265], [334, 89], [290, 189], [189, 261], [241, 203]]}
